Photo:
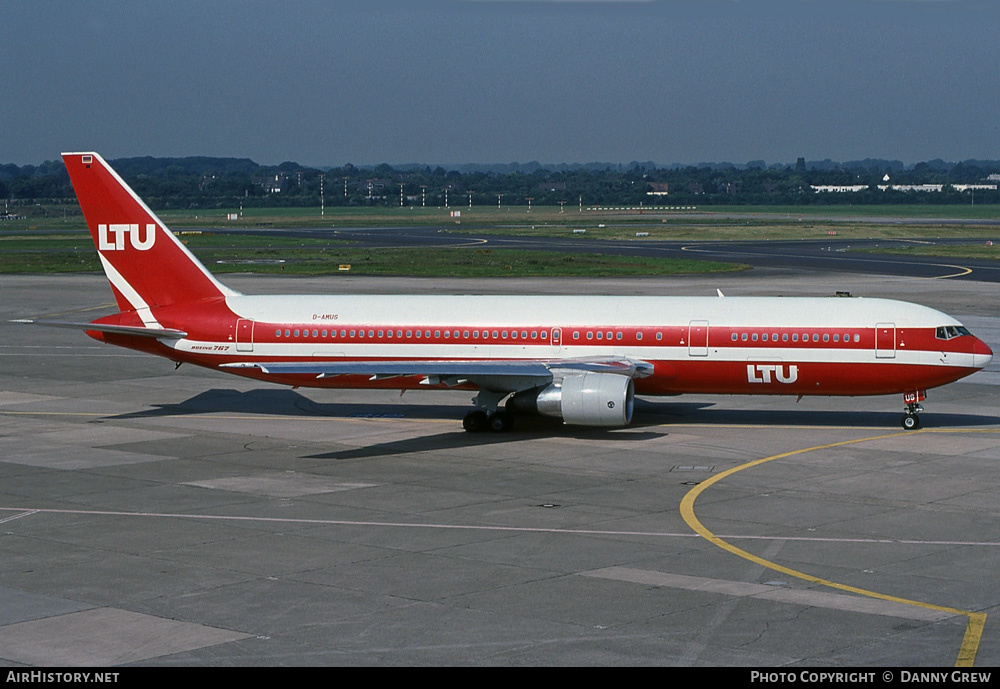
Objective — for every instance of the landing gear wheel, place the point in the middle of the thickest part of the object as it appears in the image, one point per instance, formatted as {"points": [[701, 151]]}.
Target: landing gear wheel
{"points": [[911, 422], [501, 422], [476, 421]]}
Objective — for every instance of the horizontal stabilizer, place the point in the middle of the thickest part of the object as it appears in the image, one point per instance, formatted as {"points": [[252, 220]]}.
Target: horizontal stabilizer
{"points": [[136, 330]]}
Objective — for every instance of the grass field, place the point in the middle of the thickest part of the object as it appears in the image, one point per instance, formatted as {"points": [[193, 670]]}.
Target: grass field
{"points": [[982, 250], [229, 253], [55, 216], [53, 238]]}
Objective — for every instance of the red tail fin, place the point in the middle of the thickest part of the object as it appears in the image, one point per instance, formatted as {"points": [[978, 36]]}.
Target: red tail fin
{"points": [[144, 262]]}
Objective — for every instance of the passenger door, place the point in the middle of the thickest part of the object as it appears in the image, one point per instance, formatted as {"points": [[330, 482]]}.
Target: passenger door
{"points": [[698, 338], [885, 341], [244, 335]]}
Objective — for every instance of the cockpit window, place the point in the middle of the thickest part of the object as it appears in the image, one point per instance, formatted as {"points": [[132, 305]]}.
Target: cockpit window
{"points": [[946, 332]]}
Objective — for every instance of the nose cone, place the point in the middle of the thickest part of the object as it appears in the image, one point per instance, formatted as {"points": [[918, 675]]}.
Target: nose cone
{"points": [[981, 353]]}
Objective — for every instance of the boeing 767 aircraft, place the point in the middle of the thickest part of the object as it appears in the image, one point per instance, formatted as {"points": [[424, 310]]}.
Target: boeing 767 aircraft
{"points": [[578, 358]]}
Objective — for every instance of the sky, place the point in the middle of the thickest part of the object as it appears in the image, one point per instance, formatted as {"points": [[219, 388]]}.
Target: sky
{"points": [[324, 82]]}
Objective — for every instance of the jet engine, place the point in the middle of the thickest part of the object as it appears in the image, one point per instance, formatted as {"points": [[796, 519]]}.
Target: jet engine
{"points": [[589, 399]]}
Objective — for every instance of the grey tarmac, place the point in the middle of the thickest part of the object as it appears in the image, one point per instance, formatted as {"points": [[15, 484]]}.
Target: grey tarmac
{"points": [[158, 517]]}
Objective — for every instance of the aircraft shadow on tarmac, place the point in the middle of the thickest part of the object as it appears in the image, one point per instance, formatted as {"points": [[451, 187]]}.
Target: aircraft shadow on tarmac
{"points": [[286, 402], [290, 403], [458, 438], [709, 413], [648, 416]]}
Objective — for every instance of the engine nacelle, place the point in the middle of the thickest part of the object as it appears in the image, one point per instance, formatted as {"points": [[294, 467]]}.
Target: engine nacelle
{"points": [[588, 399]]}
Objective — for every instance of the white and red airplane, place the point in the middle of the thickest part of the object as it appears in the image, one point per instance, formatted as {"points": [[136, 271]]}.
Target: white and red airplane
{"points": [[579, 358]]}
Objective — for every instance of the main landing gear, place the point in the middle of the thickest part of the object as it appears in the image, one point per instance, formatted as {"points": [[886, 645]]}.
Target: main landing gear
{"points": [[478, 420], [911, 421], [487, 416]]}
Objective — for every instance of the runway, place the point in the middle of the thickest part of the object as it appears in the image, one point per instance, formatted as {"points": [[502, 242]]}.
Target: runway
{"points": [[833, 254], [161, 517]]}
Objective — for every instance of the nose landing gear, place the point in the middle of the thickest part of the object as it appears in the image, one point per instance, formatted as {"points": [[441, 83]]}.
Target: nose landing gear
{"points": [[912, 400]]}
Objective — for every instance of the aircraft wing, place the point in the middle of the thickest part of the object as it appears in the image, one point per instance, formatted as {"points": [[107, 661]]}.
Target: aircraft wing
{"points": [[492, 374]]}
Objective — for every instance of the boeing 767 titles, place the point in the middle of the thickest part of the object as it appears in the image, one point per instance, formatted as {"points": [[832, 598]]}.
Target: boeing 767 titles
{"points": [[578, 358]]}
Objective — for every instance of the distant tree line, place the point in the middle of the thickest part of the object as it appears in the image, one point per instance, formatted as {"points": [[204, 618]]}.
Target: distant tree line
{"points": [[204, 182]]}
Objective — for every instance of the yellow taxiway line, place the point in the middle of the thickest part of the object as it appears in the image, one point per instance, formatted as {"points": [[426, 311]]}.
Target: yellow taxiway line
{"points": [[976, 620]]}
